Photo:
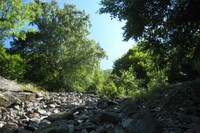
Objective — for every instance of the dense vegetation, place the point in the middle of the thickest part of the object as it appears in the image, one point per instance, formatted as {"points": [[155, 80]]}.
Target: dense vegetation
{"points": [[56, 54], [50, 46], [168, 41]]}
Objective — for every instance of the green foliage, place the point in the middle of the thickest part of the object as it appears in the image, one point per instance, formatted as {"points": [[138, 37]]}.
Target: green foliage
{"points": [[158, 79], [14, 17], [136, 73], [59, 55], [151, 18], [120, 86], [127, 80], [34, 88], [14, 14], [135, 63], [111, 90], [167, 30], [98, 82], [12, 66]]}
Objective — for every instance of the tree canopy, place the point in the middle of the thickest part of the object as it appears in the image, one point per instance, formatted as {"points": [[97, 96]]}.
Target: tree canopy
{"points": [[14, 14], [169, 30], [14, 17], [58, 55], [148, 18], [50, 45]]}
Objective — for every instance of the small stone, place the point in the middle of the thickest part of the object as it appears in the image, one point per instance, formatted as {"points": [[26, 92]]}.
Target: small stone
{"points": [[2, 110], [34, 115], [16, 107], [39, 95], [44, 123], [63, 100], [126, 122], [56, 111], [35, 120], [1, 124], [42, 112], [52, 105]]}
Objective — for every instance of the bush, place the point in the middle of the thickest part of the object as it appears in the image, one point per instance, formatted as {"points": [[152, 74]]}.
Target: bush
{"points": [[127, 81], [158, 79], [11, 66], [34, 88], [110, 90]]}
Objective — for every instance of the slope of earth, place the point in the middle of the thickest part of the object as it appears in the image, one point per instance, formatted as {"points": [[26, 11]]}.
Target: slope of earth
{"points": [[175, 111], [179, 110]]}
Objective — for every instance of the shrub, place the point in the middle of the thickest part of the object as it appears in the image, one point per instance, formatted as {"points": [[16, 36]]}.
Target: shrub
{"points": [[11, 66]]}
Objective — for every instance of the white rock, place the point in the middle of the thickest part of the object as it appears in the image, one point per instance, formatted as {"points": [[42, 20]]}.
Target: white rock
{"points": [[56, 111], [17, 107], [42, 112], [52, 105], [1, 125]]}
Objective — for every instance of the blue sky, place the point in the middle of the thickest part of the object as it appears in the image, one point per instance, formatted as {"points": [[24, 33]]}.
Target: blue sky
{"points": [[104, 30]]}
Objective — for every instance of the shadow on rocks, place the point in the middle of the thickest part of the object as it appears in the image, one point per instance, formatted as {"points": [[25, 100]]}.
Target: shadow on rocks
{"points": [[144, 122]]}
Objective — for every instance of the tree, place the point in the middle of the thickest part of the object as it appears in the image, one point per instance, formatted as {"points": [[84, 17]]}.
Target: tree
{"points": [[14, 14], [168, 30], [127, 81], [136, 72], [12, 66], [135, 60], [59, 54]]}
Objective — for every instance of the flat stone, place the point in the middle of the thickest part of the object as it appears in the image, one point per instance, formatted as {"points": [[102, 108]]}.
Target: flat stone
{"points": [[42, 112], [26, 96], [7, 99]]}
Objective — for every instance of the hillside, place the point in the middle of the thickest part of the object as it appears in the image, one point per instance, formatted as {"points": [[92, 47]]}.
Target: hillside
{"points": [[176, 110]]}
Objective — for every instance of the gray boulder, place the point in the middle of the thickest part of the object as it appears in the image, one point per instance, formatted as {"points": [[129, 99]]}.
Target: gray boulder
{"points": [[7, 99], [8, 85]]}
